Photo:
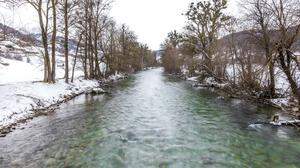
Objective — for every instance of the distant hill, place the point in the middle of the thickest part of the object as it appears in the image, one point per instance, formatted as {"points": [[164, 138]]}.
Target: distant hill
{"points": [[10, 34], [60, 40], [249, 40], [15, 44], [249, 36]]}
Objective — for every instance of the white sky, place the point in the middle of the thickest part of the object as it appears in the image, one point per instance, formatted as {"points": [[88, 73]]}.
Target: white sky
{"points": [[151, 20]]}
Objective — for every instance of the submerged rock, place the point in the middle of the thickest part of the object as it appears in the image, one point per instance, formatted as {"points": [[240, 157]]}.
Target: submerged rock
{"points": [[275, 118], [4, 132], [255, 126], [123, 139], [50, 162], [131, 136], [17, 163], [61, 154]]}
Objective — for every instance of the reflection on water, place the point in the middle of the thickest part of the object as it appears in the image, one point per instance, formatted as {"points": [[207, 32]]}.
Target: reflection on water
{"points": [[151, 120]]}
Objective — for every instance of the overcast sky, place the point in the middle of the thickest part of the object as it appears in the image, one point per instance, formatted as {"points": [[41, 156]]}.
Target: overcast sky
{"points": [[151, 20]]}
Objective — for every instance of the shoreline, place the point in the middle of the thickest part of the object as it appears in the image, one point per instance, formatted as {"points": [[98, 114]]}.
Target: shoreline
{"points": [[220, 90], [36, 113], [40, 109], [97, 88]]}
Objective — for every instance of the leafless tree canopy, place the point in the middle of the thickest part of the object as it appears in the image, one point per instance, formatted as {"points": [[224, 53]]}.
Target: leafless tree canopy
{"points": [[254, 49], [98, 38]]}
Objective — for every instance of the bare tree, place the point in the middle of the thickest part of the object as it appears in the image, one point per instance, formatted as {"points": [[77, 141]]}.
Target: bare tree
{"points": [[44, 10], [286, 21], [98, 41], [205, 20], [53, 38], [259, 16], [67, 10]]}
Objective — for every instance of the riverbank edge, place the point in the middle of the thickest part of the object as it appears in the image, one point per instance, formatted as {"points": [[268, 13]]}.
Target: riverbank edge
{"points": [[46, 110], [218, 88]]}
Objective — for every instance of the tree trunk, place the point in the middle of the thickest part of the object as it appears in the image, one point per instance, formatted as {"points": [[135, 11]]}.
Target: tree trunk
{"points": [[75, 59], [53, 40], [272, 79], [66, 42], [47, 66], [97, 62], [287, 72], [91, 55], [86, 76]]}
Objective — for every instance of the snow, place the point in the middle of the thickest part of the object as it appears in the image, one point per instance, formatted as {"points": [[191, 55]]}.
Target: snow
{"points": [[22, 92], [117, 76], [281, 102], [261, 74], [19, 99], [184, 70], [193, 79], [281, 82], [103, 68], [285, 122], [18, 71], [98, 91], [32, 70]]}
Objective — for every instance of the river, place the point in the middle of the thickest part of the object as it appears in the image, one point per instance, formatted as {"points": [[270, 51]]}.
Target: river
{"points": [[151, 120]]}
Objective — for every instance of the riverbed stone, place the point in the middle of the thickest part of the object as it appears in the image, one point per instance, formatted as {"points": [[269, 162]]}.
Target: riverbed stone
{"points": [[60, 154], [131, 136], [295, 109], [16, 163], [117, 161], [50, 162]]}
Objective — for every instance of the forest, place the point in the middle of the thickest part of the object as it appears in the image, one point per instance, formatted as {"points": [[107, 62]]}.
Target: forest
{"points": [[96, 35]]}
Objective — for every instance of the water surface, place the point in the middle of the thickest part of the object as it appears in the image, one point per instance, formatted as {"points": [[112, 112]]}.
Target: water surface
{"points": [[152, 120]]}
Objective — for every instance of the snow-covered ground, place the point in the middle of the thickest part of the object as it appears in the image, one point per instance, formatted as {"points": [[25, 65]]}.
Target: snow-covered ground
{"points": [[20, 91], [261, 73], [281, 82], [21, 70], [20, 99], [12, 71]]}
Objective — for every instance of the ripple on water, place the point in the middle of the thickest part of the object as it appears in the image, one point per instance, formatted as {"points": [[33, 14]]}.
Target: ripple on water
{"points": [[152, 121]]}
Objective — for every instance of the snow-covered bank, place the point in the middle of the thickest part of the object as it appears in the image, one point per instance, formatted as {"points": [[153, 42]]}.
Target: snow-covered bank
{"points": [[23, 96], [20, 101], [24, 100], [287, 103], [20, 95]]}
